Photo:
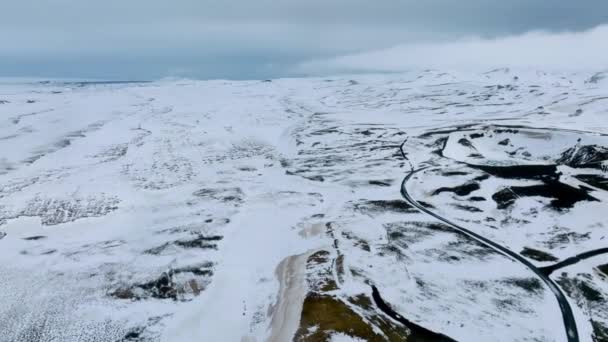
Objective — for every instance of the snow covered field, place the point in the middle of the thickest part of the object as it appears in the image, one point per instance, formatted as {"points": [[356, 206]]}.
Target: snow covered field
{"points": [[420, 206]]}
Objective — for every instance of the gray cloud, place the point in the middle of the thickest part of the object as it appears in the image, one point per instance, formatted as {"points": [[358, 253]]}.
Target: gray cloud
{"points": [[238, 38], [580, 51]]}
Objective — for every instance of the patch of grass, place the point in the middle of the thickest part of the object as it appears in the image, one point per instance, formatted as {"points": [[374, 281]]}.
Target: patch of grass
{"points": [[323, 316]]}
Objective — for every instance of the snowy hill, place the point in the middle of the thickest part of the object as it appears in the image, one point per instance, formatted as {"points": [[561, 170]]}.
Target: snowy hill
{"points": [[421, 206]]}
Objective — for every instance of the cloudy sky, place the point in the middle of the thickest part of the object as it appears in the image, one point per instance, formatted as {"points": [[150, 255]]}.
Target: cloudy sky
{"points": [[149, 39]]}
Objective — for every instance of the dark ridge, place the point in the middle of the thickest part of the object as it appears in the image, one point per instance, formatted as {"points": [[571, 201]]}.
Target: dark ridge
{"points": [[379, 183], [532, 285], [468, 208], [417, 333], [603, 269], [476, 135], [454, 173], [576, 287], [465, 142], [584, 156], [426, 205], [380, 206], [133, 334], [597, 181], [163, 287], [477, 199], [461, 128], [508, 130], [200, 241], [36, 237], [481, 178], [516, 128], [200, 270], [573, 260], [519, 171], [537, 255], [461, 190], [600, 331], [564, 196]]}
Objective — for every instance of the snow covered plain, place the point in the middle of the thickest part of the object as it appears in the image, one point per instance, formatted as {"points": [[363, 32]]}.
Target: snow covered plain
{"points": [[422, 206]]}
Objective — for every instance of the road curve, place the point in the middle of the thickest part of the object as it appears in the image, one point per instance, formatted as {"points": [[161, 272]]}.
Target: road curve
{"points": [[573, 260], [564, 305]]}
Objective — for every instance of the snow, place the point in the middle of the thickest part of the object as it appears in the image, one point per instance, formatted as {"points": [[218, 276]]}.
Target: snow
{"points": [[228, 187]]}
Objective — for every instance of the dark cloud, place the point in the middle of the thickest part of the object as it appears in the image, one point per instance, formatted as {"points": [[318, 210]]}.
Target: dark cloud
{"points": [[238, 38]]}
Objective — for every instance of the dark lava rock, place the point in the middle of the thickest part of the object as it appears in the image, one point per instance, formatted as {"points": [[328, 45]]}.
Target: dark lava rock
{"points": [[318, 178], [537, 255], [564, 196], [476, 135], [520, 171], [603, 269], [594, 180], [575, 287], [36, 237], [584, 156], [465, 142], [162, 288], [234, 195], [201, 241], [133, 334], [477, 199], [481, 178], [204, 269], [426, 205], [532, 285], [454, 173], [596, 77], [600, 331], [506, 130], [468, 208], [379, 183], [383, 206], [578, 112], [504, 142], [568, 238], [461, 190]]}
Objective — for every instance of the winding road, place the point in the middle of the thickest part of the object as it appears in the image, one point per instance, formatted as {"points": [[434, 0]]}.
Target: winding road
{"points": [[564, 305], [573, 260]]}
